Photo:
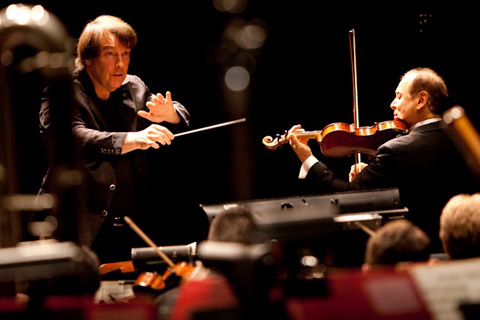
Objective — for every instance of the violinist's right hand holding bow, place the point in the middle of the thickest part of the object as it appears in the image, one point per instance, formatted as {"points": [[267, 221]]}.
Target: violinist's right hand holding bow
{"points": [[355, 170], [299, 146]]}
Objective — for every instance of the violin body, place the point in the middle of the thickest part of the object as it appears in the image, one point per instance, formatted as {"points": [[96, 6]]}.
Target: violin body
{"points": [[151, 280], [341, 139], [171, 277]]}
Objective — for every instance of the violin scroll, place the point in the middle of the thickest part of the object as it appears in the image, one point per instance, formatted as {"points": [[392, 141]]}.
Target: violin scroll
{"points": [[273, 144], [282, 139]]}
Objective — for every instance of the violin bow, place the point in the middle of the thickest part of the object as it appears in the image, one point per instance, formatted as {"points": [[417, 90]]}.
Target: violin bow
{"points": [[148, 241], [356, 121]]}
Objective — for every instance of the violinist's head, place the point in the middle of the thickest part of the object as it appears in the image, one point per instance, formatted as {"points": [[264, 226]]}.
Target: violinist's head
{"points": [[420, 95]]}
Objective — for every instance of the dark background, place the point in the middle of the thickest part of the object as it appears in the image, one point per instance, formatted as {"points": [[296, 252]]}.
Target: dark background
{"points": [[301, 75]]}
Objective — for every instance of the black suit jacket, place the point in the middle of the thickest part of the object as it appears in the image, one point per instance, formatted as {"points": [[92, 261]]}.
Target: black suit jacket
{"points": [[101, 147], [424, 165]]}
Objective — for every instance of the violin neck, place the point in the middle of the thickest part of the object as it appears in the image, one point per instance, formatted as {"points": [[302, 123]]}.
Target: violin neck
{"points": [[317, 135]]}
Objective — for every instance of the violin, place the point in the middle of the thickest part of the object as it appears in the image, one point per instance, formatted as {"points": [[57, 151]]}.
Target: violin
{"points": [[152, 280], [341, 139], [170, 278]]}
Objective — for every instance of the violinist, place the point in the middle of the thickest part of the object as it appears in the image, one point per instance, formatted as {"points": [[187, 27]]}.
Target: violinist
{"points": [[424, 164], [115, 119]]}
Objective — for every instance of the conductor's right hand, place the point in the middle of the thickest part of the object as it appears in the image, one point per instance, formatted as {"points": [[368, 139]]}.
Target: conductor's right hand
{"points": [[151, 137]]}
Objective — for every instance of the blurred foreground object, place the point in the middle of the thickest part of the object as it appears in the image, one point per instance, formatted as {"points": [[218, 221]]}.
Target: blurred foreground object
{"points": [[37, 52], [464, 135]]}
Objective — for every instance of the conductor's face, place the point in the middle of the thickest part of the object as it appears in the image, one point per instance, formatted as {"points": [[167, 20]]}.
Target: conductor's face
{"points": [[404, 105], [109, 69]]}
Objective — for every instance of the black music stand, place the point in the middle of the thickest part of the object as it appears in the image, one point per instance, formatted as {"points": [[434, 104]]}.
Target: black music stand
{"points": [[338, 219]]}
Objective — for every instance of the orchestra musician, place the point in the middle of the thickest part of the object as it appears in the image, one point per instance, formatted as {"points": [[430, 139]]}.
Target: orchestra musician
{"points": [[460, 226], [394, 242], [424, 164], [116, 117]]}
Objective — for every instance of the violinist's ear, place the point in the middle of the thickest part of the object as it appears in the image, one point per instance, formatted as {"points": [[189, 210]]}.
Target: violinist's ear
{"points": [[422, 99]]}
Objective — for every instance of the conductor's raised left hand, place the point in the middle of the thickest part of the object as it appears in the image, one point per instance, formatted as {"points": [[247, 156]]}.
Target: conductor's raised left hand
{"points": [[161, 109]]}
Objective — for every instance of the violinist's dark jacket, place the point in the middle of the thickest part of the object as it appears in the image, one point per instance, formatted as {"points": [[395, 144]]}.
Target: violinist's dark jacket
{"points": [[425, 166]]}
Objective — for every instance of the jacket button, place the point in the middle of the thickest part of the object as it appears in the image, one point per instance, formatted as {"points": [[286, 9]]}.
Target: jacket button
{"points": [[112, 187], [104, 213]]}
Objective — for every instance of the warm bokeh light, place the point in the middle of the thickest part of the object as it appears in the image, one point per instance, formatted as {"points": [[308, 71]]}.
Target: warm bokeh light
{"points": [[6, 58], [22, 14], [237, 78], [39, 15], [18, 13], [246, 35], [251, 36], [231, 6]]}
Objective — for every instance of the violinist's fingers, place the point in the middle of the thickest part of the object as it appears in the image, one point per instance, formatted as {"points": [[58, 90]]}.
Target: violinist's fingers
{"points": [[296, 143], [361, 166], [351, 175], [292, 139], [293, 129], [355, 170]]}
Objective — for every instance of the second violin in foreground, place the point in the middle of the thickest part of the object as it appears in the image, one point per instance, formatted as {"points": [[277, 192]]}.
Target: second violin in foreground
{"points": [[341, 139]]}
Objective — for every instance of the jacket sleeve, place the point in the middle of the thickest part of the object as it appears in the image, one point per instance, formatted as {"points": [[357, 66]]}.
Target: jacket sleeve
{"points": [[184, 115], [90, 140], [381, 172], [94, 141]]}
